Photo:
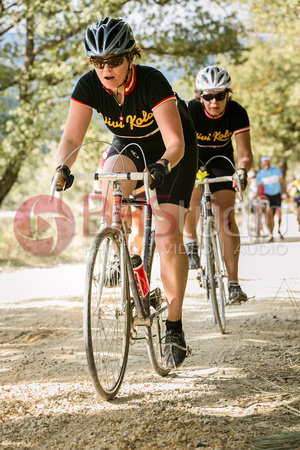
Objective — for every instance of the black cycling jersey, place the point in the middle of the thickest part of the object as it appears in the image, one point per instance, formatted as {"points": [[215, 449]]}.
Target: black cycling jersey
{"points": [[134, 123], [214, 137]]}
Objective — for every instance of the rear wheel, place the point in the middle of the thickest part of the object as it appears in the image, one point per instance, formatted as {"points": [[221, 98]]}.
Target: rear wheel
{"points": [[106, 314]]}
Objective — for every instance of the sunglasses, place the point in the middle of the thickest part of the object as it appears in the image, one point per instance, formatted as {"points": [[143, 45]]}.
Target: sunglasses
{"points": [[113, 61], [209, 97]]}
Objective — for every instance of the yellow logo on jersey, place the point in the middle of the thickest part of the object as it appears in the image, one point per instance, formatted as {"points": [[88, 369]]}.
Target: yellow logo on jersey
{"points": [[112, 123], [134, 122], [200, 137], [140, 122], [216, 136]]}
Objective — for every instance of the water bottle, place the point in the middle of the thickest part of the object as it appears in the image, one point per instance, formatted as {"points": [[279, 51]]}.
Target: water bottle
{"points": [[140, 275]]}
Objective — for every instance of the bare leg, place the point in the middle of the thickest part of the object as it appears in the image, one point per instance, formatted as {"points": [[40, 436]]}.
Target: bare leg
{"points": [[297, 210], [223, 208], [117, 164], [193, 215], [136, 240], [279, 216], [271, 222], [132, 217], [173, 258]]}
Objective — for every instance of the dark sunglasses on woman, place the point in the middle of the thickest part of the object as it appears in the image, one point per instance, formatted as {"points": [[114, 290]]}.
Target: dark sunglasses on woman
{"points": [[112, 61], [209, 97]]}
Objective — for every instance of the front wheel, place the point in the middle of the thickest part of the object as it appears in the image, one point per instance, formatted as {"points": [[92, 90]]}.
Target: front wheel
{"points": [[155, 332], [106, 314], [216, 288]]}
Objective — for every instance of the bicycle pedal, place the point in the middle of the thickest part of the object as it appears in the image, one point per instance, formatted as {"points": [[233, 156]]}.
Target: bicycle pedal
{"points": [[199, 279], [189, 351]]}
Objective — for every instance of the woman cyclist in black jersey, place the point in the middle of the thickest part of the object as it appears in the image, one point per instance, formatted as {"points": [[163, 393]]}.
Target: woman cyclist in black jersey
{"points": [[139, 106], [216, 118]]}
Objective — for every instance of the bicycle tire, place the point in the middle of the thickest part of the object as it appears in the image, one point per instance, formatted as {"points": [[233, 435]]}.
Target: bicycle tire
{"points": [[107, 314], [217, 294], [156, 331]]}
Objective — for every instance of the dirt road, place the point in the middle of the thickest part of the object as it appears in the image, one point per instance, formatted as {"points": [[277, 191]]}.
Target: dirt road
{"points": [[235, 391]]}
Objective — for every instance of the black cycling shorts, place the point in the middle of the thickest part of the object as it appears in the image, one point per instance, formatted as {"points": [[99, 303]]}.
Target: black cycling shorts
{"points": [[179, 183], [218, 167], [275, 201]]}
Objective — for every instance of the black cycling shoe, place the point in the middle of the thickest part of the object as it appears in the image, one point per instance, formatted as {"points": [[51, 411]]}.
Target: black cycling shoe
{"points": [[193, 255], [175, 349], [236, 295]]}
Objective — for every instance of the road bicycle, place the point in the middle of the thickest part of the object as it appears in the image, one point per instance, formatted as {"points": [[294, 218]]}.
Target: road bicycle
{"points": [[114, 307], [212, 270]]}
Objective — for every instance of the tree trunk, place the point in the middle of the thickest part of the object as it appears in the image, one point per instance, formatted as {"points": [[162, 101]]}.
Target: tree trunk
{"points": [[10, 175], [13, 167], [283, 167]]}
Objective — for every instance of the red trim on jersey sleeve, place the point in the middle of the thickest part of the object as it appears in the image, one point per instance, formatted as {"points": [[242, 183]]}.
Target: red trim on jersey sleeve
{"points": [[242, 130], [172, 97], [77, 101]]}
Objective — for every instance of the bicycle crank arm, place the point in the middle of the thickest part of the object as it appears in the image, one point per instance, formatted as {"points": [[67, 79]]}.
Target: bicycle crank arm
{"points": [[140, 322], [158, 312], [147, 321]]}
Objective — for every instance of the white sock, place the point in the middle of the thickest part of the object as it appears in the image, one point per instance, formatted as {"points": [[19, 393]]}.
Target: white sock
{"points": [[191, 241]]}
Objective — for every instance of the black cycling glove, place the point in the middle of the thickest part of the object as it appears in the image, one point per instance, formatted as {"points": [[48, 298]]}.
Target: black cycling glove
{"points": [[68, 178], [157, 172]]}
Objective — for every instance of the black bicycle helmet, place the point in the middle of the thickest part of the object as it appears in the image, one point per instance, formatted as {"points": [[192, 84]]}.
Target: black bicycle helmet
{"points": [[213, 78], [109, 37]]}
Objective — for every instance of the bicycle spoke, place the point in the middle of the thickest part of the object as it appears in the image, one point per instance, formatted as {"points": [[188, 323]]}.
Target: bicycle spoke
{"points": [[215, 274], [156, 331], [106, 315]]}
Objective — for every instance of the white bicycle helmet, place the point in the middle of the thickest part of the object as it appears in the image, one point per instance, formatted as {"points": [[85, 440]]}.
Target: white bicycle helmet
{"points": [[109, 37], [213, 78]]}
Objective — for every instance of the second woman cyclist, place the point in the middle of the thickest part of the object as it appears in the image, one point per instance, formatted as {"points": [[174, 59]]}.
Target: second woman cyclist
{"points": [[138, 105], [216, 119]]}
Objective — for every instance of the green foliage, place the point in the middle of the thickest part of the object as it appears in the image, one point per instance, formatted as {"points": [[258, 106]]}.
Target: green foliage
{"points": [[192, 37], [42, 57], [267, 83]]}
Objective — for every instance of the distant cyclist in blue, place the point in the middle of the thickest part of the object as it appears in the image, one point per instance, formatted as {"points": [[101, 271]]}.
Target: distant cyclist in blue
{"points": [[271, 184]]}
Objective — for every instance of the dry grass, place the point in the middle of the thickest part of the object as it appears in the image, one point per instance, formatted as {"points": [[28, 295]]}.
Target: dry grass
{"points": [[290, 440], [13, 256]]}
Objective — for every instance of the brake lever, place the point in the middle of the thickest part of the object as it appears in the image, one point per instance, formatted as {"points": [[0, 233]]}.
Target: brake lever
{"points": [[239, 185], [151, 193], [57, 179]]}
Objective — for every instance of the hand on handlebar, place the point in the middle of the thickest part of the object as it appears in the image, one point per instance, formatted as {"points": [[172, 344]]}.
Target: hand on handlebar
{"points": [[157, 172], [66, 179], [241, 175]]}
